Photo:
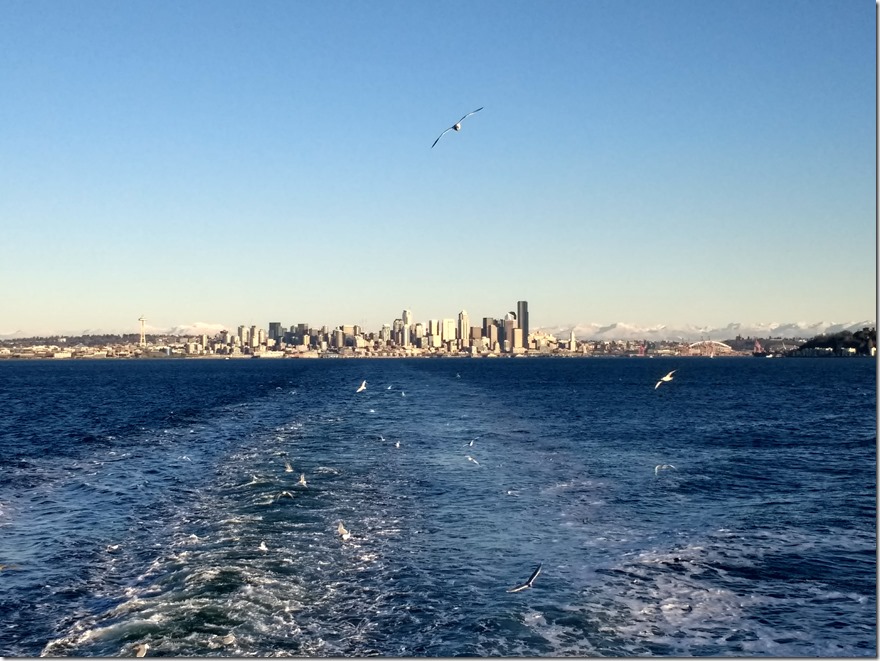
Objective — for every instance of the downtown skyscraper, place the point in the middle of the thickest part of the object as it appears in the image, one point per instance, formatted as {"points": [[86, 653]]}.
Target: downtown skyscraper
{"points": [[522, 319]]}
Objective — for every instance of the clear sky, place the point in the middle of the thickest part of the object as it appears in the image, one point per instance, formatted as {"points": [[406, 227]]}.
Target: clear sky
{"points": [[638, 161]]}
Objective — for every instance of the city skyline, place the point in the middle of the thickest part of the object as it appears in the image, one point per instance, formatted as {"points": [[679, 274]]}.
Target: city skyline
{"points": [[583, 330], [675, 163]]}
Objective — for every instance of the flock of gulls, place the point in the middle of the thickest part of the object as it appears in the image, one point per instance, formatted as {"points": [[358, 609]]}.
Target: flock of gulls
{"points": [[345, 535]]}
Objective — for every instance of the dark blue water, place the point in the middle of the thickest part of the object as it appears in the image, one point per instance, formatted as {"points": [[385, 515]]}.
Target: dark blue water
{"points": [[141, 502]]}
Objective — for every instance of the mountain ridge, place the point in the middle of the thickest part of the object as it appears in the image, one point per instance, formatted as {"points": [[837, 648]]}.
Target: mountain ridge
{"points": [[693, 333]]}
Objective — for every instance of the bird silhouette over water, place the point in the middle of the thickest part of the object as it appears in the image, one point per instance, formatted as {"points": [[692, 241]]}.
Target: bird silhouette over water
{"points": [[665, 379], [456, 126], [362, 387], [530, 580]]}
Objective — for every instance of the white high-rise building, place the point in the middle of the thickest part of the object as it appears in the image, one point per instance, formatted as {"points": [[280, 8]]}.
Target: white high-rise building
{"points": [[463, 328], [447, 332]]}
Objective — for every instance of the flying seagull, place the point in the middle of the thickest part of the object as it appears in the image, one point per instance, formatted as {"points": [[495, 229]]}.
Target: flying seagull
{"points": [[455, 127], [362, 388], [667, 378], [660, 467], [287, 467], [302, 480], [343, 532], [529, 582], [470, 458], [141, 649]]}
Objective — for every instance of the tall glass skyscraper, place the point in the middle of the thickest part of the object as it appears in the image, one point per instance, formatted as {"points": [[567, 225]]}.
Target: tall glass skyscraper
{"points": [[522, 318]]}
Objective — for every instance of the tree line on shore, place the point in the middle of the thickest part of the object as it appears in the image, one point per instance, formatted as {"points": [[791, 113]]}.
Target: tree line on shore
{"points": [[862, 341]]}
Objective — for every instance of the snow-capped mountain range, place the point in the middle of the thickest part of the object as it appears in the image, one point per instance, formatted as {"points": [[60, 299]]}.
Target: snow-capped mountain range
{"points": [[622, 331], [583, 331]]}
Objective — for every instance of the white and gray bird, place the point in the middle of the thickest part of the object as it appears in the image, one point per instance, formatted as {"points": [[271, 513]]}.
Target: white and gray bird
{"points": [[530, 580], [287, 467], [456, 126], [470, 458], [362, 388], [140, 650], [660, 467], [666, 378], [302, 480], [343, 532]]}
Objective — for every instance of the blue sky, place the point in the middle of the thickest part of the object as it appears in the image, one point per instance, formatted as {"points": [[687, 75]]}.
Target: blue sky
{"points": [[639, 161]]}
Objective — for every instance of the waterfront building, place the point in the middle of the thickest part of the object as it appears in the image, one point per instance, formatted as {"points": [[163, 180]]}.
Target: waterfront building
{"points": [[517, 339], [275, 330]]}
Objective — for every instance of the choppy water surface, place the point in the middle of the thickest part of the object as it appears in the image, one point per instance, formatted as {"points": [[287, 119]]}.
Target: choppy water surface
{"points": [[143, 502]]}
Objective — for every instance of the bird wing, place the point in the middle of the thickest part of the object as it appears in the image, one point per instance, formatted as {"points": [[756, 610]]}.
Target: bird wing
{"points": [[469, 114], [440, 136], [669, 376], [529, 582], [534, 574], [658, 384]]}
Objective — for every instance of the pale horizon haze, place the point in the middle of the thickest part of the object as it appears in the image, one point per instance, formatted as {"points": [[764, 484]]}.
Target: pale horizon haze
{"points": [[648, 162]]}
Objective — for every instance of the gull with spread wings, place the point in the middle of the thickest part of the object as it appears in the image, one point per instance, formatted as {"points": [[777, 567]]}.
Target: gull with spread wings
{"points": [[529, 582], [456, 126]]}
